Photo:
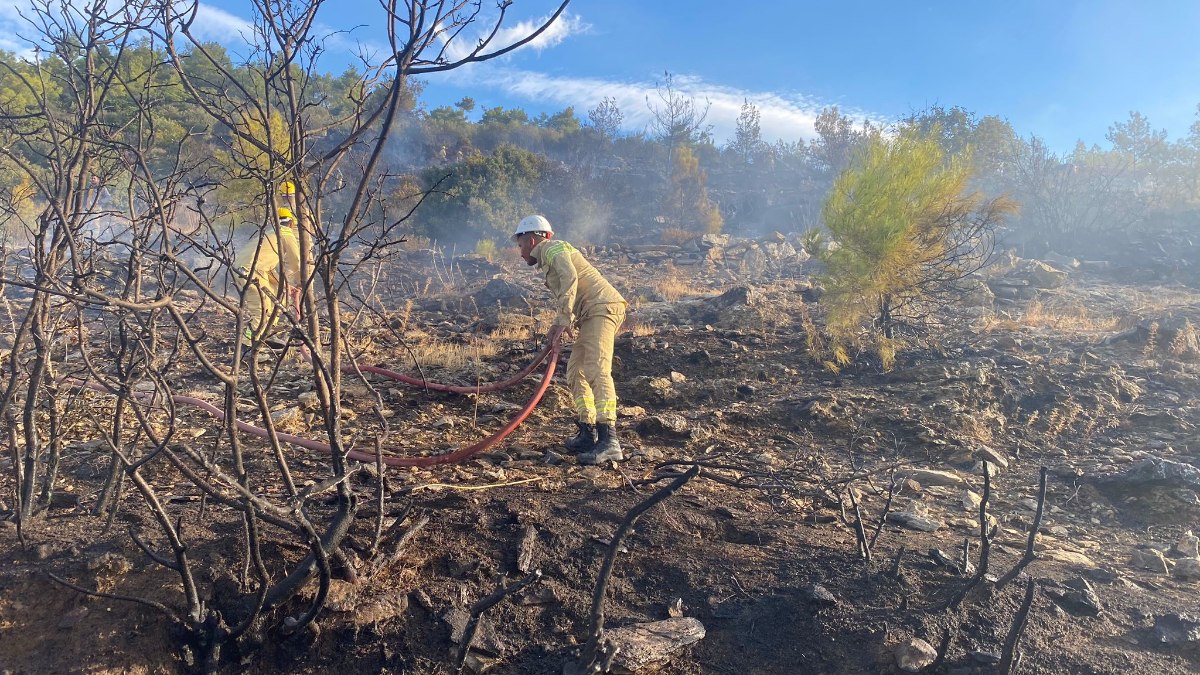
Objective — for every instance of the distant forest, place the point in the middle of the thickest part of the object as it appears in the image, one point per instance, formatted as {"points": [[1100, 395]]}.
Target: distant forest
{"points": [[479, 170]]}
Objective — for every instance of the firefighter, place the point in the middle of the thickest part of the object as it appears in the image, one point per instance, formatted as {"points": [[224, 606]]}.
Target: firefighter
{"points": [[270, 267], [583, 299], [287, 190]]}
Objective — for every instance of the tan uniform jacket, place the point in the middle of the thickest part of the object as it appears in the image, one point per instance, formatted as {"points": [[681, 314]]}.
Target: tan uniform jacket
{"points": [[576, 285], [289, 254], [265, 257]]}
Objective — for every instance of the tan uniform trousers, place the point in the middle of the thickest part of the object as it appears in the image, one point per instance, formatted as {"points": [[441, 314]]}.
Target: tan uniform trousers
{"points": [[259, 265], [589, 370]]}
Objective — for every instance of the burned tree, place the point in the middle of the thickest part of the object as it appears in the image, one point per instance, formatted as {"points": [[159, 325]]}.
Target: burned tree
{"points": [[116, 314]]}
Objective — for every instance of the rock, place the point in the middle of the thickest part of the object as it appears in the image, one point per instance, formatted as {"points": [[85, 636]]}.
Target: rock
{"points": [[1069, 557], [1094, 265], [380, 608], [630, 411], [738, 296], [501, 292], [646, 646], [1187, 569], [1171, 334], [666, 425], [986, 658], [812, 293], [1188, 545], [969, 370], [540, 595], [675, 608], [110, 563], [653, 248], [818, 595], [1028, 503], [1104, 575], [309, 400], [291, 416], [1040, 275], [652, 390], [1176, 629], [486, 639], [1161, 487], [678, 378], [63, 500], [526, 550], [993, 457], [914, 654], [823, 410], [1079, 598], [946, 560], [974, 292], [1149, 559], [443, 422], [780, 250], [914, 521], [1012, 289], [971, 501], [932, 477]]}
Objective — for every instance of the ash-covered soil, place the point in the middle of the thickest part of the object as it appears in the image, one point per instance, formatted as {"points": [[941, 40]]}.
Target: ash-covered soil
{"points": [[1086, 374]]}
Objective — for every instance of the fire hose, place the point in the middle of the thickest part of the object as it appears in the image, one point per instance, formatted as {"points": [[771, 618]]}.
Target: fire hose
{"points": [[462, 454]]}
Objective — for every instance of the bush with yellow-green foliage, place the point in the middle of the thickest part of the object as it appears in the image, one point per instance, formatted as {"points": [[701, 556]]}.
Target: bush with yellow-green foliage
{"points": [[909, 228], [686, 205], [486, 248]]}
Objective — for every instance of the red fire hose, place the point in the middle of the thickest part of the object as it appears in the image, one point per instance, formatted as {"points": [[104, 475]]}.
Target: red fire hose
{"points": [[462, 454]]}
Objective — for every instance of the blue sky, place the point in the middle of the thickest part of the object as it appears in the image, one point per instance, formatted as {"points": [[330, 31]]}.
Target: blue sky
{"points": [[1061, 69]]}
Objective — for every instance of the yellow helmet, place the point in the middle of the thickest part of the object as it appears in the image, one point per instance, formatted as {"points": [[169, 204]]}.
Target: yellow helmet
{"points": [[285, 214], [287, 188]]}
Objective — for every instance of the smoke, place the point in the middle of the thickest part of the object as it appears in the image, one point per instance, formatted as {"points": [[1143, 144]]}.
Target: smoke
{"points": [[586, 221], [783, 116]]}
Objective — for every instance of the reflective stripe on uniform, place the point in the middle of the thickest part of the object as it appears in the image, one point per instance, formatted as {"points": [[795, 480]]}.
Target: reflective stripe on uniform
{"points": [[552, 251]]}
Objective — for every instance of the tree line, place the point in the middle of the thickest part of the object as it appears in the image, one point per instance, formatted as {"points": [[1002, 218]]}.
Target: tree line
{"points": [[476, 171]]}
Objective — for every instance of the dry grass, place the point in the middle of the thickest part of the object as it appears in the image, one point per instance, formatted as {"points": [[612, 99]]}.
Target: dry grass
{"points": [[431, 351], [1163, 300], [510, 326], [673, 289], [676, 235], [406, 314], [639, 328], [1064, 315], [672, 286]]}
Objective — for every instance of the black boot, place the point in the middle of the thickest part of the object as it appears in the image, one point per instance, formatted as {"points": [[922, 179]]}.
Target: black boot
{"points": [[583, 441], [608, 448]]}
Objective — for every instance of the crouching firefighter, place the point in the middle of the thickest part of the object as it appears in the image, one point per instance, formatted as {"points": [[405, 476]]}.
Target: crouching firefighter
{"points": [[584, 299], [269, 268]]}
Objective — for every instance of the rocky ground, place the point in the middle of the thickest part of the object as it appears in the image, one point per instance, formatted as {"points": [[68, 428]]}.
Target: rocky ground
{"points": [[755, 566]]}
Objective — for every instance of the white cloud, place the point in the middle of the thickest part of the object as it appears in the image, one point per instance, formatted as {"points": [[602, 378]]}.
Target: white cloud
{"points": [[211, 24], [217, 25], [783, 116], [563, 27]]}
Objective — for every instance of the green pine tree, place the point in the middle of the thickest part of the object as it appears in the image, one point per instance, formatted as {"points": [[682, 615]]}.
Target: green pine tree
{"points": [[908, 227]]}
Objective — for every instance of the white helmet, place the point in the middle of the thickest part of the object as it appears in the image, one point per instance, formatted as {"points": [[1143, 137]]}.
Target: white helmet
{"points": [[533, 224]]}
